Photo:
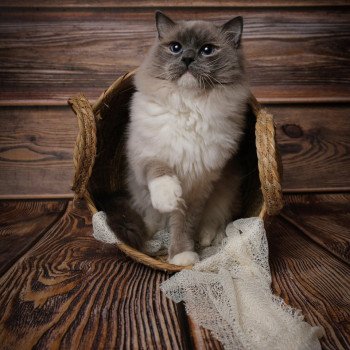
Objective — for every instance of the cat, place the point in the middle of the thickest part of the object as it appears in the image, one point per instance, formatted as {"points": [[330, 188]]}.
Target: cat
{"points": [[187, 119]]}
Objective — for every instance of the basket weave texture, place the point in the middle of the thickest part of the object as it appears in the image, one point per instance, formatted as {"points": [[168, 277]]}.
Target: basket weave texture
{"points": [[99, 157]]}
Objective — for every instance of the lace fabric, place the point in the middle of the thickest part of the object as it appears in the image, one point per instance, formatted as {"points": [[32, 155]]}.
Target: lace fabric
{"points": [[228, 291]]}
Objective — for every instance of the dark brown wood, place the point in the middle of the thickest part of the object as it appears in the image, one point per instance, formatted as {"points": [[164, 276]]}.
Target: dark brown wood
{"points": [[324, 218], [176, 3], [201, 338], [49, 55], [309, 278], [22, 224], [36, 150], [70, 291], [315, 145]]}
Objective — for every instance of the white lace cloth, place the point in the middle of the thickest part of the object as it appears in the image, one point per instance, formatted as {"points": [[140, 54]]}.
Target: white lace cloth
{"points": [[228, 291]]}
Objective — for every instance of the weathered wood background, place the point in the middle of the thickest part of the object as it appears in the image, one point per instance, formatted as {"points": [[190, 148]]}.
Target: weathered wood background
{"points": [[297, 57]]}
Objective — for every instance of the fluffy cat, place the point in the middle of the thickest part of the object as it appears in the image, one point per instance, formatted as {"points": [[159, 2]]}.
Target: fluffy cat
{"points": [[187, 119]]}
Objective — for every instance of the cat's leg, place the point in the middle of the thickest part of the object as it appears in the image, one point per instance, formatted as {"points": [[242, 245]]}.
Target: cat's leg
{"points": [[165, 193], [154, 221], [223, 205], [183, 223], [141, 203], [216, 215]]}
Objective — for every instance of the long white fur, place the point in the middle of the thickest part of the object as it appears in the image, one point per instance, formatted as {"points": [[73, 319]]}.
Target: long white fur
{"points": [[191, 131]]}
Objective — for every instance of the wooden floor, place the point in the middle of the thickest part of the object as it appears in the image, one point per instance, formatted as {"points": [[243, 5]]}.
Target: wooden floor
{"points": [[60, 288]]}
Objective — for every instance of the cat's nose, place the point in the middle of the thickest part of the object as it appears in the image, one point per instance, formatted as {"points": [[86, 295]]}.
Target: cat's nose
{"points": [[187, 60]]}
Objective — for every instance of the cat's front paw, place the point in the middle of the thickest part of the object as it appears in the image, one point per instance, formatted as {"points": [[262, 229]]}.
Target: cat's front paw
{"points": [[184, 258], [165, 193]]}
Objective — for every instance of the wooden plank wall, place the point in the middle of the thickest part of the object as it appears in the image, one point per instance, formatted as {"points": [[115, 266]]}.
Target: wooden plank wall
{"points": [[298, 62]]}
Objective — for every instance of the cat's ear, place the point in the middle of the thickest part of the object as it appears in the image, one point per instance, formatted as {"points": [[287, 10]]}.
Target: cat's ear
{"points": [[233, 28], [164, 24]]}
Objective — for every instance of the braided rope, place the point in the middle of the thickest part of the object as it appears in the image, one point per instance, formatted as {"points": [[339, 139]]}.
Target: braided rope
{"points": [[268, 160], [85, 145], [156, 263]]}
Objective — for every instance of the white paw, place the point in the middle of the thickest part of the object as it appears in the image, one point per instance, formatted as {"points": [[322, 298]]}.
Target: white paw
{"points": [[165, 193], [184, 258]]}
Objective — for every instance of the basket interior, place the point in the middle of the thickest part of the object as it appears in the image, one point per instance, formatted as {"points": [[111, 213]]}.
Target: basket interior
{"points": [[108, 173]]}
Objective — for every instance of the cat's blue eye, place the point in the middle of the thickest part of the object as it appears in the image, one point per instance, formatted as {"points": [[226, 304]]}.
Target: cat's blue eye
{"points": [[207, 49], [175, 47]]}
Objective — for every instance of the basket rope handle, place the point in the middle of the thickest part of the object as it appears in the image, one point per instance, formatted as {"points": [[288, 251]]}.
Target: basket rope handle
{"points": [[85, 146], [268, 159]]}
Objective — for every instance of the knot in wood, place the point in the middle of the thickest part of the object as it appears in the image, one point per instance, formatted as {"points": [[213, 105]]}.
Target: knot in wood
{"points": [[292, 130]]}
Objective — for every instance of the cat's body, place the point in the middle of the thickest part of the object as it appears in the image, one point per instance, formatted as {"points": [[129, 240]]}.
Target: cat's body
{"points": [[193, 134], [183, 135]]}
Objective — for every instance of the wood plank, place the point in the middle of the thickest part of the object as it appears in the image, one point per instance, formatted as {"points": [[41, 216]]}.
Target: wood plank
{"points": [[176, 3], [309, 278], [36, 148], [36, 152], [201, 337], [71, 291], [315, 145], [324, 218], [48, 55], [22, 224]]}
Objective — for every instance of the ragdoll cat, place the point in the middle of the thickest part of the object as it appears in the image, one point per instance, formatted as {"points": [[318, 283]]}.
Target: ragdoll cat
{"points": [[186, 123]]}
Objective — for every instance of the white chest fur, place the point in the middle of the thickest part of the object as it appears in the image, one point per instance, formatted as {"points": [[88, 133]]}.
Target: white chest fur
{"points": [[194, 134]]}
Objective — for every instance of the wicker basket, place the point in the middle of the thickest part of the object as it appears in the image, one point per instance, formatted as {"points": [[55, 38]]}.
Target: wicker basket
{"points": [[99, 157]]}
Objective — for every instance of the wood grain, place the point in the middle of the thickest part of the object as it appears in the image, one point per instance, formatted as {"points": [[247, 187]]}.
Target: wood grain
{"points": [[307, 277], [48, 55], [202, 338], [36, 147], [324, 218], [176, 3], [71, 291], [315, 146], [22, 224]]}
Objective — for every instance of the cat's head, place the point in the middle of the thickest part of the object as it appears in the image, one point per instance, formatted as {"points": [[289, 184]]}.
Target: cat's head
{"points": [[196, 54]]}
